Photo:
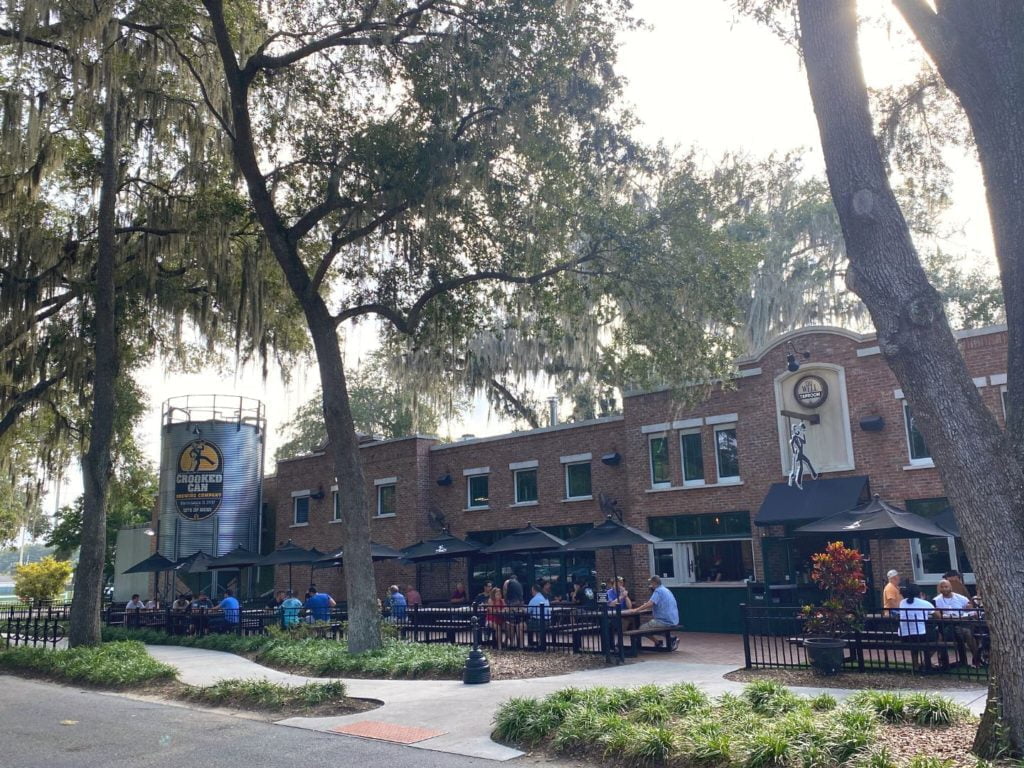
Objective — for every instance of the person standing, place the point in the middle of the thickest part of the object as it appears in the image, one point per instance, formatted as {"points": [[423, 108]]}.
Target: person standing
{"points": [[513, 590], [539, 611], [397, 602], [412, 596], [914, 612], [891, 596]]}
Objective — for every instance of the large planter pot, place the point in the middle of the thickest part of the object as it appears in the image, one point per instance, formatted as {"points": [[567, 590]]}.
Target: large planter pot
{"points": [[825, 654]]}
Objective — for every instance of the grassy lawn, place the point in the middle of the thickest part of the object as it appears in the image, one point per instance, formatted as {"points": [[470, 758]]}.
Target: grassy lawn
{"points": [[767, 726], [320, 657]]}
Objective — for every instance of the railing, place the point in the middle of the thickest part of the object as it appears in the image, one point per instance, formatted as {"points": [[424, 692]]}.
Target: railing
{"points": [[35, 631], [45, 610], [559, 628], [956, 642]]}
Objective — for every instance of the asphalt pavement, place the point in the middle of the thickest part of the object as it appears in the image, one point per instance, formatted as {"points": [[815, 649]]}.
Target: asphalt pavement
{"points": [[43, 725]]}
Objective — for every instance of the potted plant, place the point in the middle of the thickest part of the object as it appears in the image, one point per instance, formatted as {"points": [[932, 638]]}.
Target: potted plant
{"points": [[839, 572]]}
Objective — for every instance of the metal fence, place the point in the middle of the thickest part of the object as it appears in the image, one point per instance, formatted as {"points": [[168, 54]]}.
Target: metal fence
{"points": [[59, 611], [954, 643], [35, 631], [559, 628]]}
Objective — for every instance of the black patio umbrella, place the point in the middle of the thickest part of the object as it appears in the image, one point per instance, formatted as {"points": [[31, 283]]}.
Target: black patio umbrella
{"points": [[528, 539], [443, 547], [875, 520], [197, 562], [155, 563], [237, 558], [377, 552], [611, 534], [291, 554]]}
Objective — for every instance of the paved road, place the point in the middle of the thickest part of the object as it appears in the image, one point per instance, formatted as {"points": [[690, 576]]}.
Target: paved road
{"points": [[114, 730]]}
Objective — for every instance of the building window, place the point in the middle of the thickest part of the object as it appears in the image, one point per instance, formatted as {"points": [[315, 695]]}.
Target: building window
{"points": [[526, 486], [386, 500], [577, 480], [477, 495], [336, 505], [659, 461], [300, 510], [692, 451], [703, 549], [934, 555], [726, 454], [919, 453]]}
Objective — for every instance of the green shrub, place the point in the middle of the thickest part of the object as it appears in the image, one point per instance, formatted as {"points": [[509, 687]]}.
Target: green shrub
{"points": [[824, 702], [649, 744], [926, 761], [649, 713], [263, 694], [112, 665], [522, 721], [890, 707], [877, 758], [932, 709], [684, 698], [579, 729], [707, 742], [767, 697], [770, 747]]}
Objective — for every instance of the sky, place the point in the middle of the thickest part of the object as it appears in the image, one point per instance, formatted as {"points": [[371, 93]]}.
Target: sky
{"points": [[698, 76]]}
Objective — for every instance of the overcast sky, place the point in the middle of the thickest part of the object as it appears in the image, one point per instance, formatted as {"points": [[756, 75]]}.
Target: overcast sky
{"points": [[699, 76]]}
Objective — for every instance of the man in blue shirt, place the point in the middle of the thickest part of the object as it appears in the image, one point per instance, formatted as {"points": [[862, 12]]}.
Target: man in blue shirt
{"points": [[538, 610], [320, 604], [290, 608], [398, 603], [230, 607], [662, 604]]}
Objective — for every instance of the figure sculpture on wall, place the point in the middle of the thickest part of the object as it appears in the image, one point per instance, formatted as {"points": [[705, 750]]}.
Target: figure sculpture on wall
{"points": [[797, 441]]}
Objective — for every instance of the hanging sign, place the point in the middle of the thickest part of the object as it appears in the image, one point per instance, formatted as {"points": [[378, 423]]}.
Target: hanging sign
{"points": [[199, 481], [810, 391]]}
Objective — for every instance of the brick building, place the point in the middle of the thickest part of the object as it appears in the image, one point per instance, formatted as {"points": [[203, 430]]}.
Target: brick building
{"points": [[710, 480]]}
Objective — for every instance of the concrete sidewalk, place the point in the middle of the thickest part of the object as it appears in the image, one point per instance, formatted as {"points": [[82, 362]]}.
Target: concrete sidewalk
{"points": [[457, 718]]}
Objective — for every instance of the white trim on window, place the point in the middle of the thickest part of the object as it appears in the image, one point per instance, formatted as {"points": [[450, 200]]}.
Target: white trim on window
{"points": [[898, 394], [666, 483], [688, 423], [747, 372], [649, 429], [980, 381], [728, 479], [869, 351], [565, 474], [697, 482], [380, 490], [531, 464], [724, 418], [386, 481], [920, 462], [475, 475], [576, 458], [296, 498], [515, 485], [306, 492], [476, 471], [997, 378], [1002, 400]]}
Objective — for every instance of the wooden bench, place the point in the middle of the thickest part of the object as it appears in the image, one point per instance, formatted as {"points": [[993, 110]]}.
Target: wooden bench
{"points": [[636, 637]]}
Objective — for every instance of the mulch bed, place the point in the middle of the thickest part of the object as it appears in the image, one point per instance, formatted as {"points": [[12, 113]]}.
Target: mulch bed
{"points": [[513, 665], [886, 681], [951, 743]]}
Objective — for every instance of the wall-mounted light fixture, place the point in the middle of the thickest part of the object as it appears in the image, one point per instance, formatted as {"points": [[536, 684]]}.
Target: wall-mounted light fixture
{"points": [[445, 479], [612, 459], [319, 493], [792, 364]]}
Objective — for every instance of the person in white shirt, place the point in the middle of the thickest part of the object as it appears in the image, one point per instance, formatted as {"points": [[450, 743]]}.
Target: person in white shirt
{"points": [[134, 604], [914, 612], [950, 607]]}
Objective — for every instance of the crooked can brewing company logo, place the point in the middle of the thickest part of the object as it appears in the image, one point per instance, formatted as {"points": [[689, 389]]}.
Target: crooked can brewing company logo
{"points": [[810, 391], [199, 481]]}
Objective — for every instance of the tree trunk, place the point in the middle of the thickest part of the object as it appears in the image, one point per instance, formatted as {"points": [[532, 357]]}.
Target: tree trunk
{"points": [[343, 443], [974, 456], [96, 464]]}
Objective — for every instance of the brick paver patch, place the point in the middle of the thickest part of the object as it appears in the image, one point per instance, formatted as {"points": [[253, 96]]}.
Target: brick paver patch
{"points": [[399, 734]]}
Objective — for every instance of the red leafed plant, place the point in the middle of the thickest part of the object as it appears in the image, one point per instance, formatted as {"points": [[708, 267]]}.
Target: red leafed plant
{"points": [[839, 572]]}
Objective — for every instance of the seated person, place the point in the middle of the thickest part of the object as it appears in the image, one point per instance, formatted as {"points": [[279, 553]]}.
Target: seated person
{"points": [[319, 605], [182, 603], [951, 606], [412, 596], [135, 604], [458, 595], [201, 603], [398, 603], [289, 608], [276, 599], [232, 610], [485, 594], [914, 611], [662, 604], [153, 604]]}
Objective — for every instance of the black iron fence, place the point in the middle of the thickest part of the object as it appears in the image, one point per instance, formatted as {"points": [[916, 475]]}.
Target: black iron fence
{"points": [[35, 631], [556, 628], [949, 642], [59, 611]]}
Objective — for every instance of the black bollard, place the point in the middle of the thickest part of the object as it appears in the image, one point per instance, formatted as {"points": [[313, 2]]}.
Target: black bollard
{"points": [[478, 669]]}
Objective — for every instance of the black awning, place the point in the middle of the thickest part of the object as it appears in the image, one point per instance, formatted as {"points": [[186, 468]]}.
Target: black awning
{"points": [[820, 498]]}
